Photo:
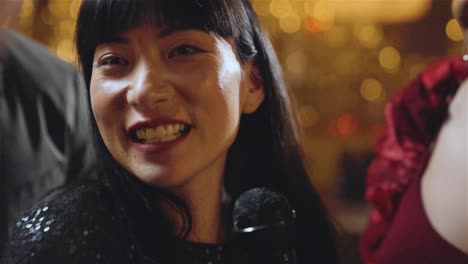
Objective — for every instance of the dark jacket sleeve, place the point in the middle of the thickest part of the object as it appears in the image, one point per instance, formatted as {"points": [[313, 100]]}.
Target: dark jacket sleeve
{"points": [[44, 136], [73, 225], [81, 161]]}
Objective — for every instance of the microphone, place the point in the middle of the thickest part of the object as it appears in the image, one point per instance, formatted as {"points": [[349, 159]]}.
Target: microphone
{"points": [[263, 224]]}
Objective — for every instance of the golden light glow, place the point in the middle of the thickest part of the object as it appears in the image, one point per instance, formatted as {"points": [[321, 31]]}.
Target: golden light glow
{"points": [[346, 11], [261, 7], [371, 90], [390, 59], [337, 36], [308, 116], [315, 26], [453, 30], [65, 29], [290, 24], [59, 9], [47, 18], [296, 62], [380, 11], [369, 35], [65, 50], [321, 10], [309, 7], [319, 16], [346, 125], [74, 7], [25, 15], [280, 8]]}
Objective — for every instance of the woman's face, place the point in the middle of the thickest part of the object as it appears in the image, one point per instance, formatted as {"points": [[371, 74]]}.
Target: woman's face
{"points": [[168, 103]]}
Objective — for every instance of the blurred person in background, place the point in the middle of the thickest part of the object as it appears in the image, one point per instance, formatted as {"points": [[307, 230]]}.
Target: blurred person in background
{"points": [[418, 182], [43, 132]]}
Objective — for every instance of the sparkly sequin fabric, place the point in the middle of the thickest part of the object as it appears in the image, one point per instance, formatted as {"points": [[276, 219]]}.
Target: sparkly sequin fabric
{"points": [[76, 225], [83, 225]]}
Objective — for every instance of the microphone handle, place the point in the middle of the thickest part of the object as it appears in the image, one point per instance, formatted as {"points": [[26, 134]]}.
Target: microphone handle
{"points": [[289, 257]]}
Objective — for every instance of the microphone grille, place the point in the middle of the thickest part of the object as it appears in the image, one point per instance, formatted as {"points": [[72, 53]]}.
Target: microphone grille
{"points": [[260, 206]]}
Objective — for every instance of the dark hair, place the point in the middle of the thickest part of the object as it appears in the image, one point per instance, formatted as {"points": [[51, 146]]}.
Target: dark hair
{"points": [[266, 151]]}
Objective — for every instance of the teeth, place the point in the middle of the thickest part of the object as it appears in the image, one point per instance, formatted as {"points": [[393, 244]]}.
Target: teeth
{"points": [[161, 133], [169, 130]]}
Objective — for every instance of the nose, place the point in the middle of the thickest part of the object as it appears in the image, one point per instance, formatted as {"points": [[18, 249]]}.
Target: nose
{"points": [[151, 88]]}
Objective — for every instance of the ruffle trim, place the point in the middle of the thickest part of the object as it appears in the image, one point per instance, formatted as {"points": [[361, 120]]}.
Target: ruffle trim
{"points": [[414, 117]]}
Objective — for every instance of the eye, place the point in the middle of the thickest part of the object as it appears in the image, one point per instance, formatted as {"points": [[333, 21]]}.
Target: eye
{"points": [[184, 50], [112, 60]]}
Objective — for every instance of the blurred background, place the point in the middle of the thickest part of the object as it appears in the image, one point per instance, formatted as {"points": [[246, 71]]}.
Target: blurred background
{"points": [[342, 60]]}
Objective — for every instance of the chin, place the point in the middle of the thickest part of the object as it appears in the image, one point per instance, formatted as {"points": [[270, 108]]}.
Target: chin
{"points": [[162, 180]]}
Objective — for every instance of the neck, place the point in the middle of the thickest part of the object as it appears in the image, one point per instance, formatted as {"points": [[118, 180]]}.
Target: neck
{"points": [[203, 197], [208, 224]]}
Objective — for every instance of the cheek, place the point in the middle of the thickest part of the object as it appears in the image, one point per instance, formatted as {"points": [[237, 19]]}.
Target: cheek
{"points": [[216, 91], [105, 103], [97, 101], [230, 76]]}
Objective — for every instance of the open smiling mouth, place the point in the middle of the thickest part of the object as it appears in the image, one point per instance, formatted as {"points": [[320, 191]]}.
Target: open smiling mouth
{"points": [[159, 134]]}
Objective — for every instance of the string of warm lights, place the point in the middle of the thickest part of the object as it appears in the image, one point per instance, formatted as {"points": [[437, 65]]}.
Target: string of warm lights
{"points": [[342, 59]]}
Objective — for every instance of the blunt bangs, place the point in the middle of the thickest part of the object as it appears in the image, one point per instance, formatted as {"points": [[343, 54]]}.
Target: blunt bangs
{"points": [[100, 21]]}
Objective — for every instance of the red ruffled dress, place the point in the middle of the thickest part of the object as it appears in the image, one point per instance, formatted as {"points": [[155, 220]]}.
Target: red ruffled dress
{"points": [[401, 233]]}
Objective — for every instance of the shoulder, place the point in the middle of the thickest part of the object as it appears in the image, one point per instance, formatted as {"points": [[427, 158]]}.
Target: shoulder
{"points": [[36, 69], [77, 224], [414, 117], [33, 55], [448, 69]]}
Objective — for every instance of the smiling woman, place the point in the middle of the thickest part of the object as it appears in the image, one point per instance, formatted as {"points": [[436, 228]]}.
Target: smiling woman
{"points": [[189, 111], [199, 85]]}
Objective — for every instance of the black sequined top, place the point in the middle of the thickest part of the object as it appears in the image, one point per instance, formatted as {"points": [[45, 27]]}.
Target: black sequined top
{"points": [[82, 225]]}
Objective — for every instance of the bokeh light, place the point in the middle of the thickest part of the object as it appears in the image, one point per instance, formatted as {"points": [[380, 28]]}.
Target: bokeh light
{"points": [[308, 116], [65, 29], [296, 62], [369, 35], [321, 12], [47, 17], [74, 7], [345, 125], [291, 23], [337, 36], [390, 59], [25, 15], [371, 90], [453, 30], [66, 50], [59, 9], [280, 8]]}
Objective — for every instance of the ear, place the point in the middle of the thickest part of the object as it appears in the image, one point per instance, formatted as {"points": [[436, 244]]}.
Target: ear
{"points": [[254, 85]]}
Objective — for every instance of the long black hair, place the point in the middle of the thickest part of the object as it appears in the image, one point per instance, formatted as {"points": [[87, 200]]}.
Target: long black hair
{"points": [[266, 151]]}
